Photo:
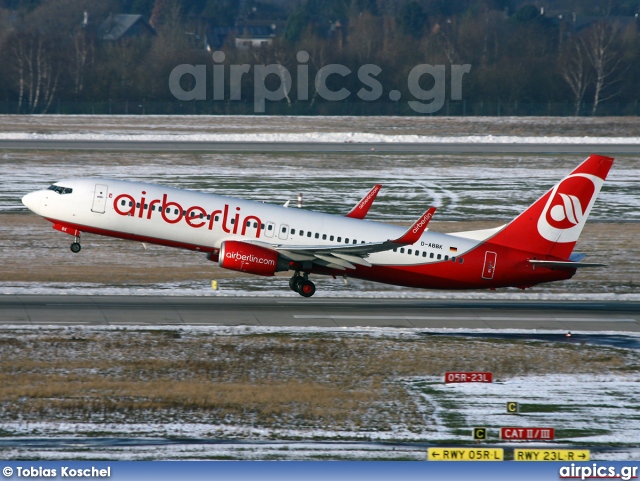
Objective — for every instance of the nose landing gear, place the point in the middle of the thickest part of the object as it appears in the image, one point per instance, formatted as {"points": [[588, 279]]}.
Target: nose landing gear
{"points": [[302, 285], [75, 247]]}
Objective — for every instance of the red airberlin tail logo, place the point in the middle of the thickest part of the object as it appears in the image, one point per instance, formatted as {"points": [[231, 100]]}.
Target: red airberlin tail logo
{"points": [[570, 202], [568, 206]]}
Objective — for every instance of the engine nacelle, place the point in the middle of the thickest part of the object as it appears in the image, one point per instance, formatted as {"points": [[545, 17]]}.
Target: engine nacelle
{"points": [[243, 257]]}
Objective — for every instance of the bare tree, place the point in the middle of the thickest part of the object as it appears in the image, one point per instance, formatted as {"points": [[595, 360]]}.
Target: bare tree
{"points": [[160, 12], [319, 51], [575, 71], [365, 37], [82, 55], [282, 57], [36, 72], [602, 49], [19, 56], [279, 54], [445, 37]]}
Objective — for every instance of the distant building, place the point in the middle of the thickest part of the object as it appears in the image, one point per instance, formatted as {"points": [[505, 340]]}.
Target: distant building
{"points": [[576, 23], [120, 26], [240, 36]]}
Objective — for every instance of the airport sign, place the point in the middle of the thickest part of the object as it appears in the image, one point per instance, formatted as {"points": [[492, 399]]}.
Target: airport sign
{"points": [[513, 407], [466, 454], [479, 434], [453, 377], [551, 455], [541, 434]]}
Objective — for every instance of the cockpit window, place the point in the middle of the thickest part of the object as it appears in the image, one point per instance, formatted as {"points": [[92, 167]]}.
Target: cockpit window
{"points": [[60, 190]]}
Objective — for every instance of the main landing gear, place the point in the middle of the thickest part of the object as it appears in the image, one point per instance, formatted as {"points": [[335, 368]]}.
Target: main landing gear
{"points": [[75, 247], [302, 285]]}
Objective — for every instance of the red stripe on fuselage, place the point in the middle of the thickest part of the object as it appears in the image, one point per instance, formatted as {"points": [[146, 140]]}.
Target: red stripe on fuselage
{"points": [[134, 237], [511, 270]]}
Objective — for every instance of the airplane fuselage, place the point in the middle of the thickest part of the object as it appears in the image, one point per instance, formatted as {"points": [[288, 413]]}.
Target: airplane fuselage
{"points": [[202, 222]]}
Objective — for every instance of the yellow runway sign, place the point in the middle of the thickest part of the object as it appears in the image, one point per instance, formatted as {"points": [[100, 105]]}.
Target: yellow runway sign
{"points": [[551, 455], [466, 454]]}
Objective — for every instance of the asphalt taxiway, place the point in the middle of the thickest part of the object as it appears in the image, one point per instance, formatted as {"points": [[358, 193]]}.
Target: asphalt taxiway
{"points": [[319, 312]]}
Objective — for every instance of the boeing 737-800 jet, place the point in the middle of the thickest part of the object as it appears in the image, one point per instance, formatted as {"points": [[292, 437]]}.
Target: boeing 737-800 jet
{"points": [[257, 238]]}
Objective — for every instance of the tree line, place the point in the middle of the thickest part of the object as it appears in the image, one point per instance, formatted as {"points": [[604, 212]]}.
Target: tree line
{"points": [[584, 55]]}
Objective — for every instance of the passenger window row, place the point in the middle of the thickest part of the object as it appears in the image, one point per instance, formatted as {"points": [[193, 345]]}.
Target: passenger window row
{"points": [[317, 235], [338, 239], [432, 255]]}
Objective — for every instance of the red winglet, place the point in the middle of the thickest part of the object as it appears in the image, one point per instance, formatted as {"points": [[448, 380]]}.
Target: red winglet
{"points": [[361, 210], [415, 231]]}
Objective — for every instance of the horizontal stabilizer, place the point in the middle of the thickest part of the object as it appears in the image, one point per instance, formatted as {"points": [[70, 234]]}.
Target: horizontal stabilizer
{"points": [[564, 264]]}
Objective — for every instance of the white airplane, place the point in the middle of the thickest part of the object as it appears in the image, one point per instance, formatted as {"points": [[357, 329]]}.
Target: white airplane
{"points": [[263, 239]]}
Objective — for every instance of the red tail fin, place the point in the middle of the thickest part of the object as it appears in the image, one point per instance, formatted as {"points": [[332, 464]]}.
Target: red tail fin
{"points": [[552, 225]]}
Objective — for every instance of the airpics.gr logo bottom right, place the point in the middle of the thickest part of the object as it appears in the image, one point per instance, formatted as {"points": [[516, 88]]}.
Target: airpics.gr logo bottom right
{"points": [[425, 101]]}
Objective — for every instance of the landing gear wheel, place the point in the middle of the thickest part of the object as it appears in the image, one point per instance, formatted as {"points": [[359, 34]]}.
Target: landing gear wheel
{"points": [[75, 247], [294, 282], [306, 288]]}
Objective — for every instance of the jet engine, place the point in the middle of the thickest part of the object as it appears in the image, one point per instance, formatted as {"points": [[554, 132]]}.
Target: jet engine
{"points": [[243, 257]]}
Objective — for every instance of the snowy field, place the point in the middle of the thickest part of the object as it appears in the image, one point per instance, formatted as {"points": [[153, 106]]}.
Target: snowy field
{"points": [[398, 404], [464, 187], [314, 137]]}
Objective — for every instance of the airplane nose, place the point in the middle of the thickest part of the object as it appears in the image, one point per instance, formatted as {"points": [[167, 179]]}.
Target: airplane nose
{"points": [[30, 200]]}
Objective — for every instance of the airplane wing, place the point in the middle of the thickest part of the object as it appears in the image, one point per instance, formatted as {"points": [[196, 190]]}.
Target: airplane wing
{"points": [[345, 256], [362, 208]]}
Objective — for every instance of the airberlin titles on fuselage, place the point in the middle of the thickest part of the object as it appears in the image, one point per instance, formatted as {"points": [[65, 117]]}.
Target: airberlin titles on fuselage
{"points": [[195, 216]]}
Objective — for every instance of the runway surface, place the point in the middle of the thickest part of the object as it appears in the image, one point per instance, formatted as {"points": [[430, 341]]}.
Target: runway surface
{"points": [[318, 312], [364, 147]]}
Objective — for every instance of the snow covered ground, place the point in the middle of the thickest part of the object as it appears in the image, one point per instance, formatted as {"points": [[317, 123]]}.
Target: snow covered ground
{"points": [[585, 409], [463, 187], [592, 410], [313, 137]]}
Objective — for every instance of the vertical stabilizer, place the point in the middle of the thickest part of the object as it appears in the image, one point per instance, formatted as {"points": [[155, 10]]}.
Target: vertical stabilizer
{"points": [[552, 225]]}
